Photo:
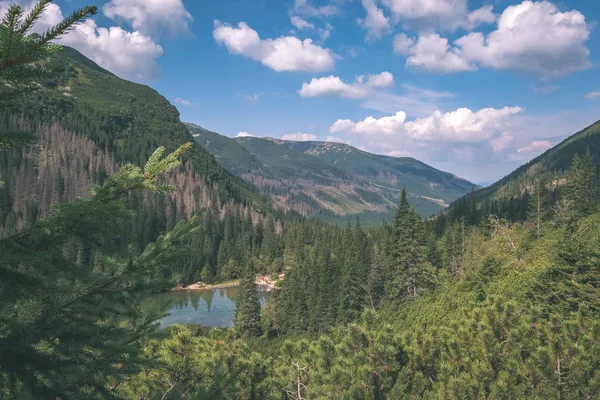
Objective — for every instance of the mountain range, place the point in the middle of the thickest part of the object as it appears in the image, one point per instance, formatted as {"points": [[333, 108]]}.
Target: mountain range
{"points": [[120, 121], [329, 180]]}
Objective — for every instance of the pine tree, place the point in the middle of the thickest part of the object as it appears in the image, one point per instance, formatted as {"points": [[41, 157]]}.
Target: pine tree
{"points": [[247, 308]]}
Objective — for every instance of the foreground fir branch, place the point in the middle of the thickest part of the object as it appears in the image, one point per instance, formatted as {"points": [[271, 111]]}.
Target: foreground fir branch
{"points": [[66, 328]]}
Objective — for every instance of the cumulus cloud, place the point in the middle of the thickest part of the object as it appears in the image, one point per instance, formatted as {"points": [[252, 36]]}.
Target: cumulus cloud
{"points": [[461, 126], [243, 134], [427, 15], [592, 95], [389, 125], [127, 54], [147, 16], [403, 44], [286, 53], [433, 53], [300, 137], [334, 86], [532, 37], [375, 23], [51, 16]]}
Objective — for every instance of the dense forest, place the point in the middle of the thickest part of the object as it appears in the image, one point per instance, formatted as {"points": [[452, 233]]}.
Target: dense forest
{"points": [[493, 299]]}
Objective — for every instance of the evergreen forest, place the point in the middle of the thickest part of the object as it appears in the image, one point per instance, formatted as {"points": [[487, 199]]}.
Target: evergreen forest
{"points": [[106, 198]]}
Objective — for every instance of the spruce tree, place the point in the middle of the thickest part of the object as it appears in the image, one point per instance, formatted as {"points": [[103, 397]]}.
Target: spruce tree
{"points": [[247, 308], [581, 192], [413, 272]]}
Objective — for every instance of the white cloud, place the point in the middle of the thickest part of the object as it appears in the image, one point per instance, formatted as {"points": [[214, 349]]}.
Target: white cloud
{"points": [[243, 134], [427, 15], [461, 126], [300, 23], [183, 102], [536, 146], [403, 44], [376, 23], [592, 95], [127, 54], [432, 53], [532, 37], [147, 16], [390, 125], [531, 151], [52, 14], [300, 137], [334, 86], [286, 53]]}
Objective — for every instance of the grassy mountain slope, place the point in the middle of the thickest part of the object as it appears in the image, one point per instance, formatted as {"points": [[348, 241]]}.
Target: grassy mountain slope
{"points": [[227, 151], [331, 180], [407, 172]]}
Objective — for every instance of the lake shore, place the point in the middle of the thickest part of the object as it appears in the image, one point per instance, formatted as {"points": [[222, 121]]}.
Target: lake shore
{"points": [[261, 280]]}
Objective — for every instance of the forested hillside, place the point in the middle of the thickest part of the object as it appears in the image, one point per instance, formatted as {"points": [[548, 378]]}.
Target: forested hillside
{"points": [[333, 181], [116, 122], [547, 173]]}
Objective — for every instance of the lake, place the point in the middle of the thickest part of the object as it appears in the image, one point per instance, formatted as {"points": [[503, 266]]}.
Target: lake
{"points": [[209, 307]]}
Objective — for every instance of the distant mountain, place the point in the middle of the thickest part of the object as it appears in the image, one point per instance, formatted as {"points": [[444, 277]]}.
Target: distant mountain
{"points": [[332, 180]]}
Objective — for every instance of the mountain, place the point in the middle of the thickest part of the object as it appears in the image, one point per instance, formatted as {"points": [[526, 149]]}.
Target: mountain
{"points": [[116, 122], [333, 181], [508, 196]]}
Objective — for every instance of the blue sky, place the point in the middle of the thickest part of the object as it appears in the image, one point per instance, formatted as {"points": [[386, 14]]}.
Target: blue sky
{"points": [[473, 87]]}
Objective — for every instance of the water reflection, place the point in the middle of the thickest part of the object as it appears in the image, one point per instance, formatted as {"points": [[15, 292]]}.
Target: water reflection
{"points": [[212, 307]]}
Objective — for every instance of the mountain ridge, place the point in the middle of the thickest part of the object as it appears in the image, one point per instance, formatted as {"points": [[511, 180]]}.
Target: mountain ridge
{"points": [[505, 196], [330, 180]]}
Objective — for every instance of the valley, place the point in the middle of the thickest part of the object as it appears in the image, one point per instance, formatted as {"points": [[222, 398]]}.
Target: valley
{"points": [[332, 181]]}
